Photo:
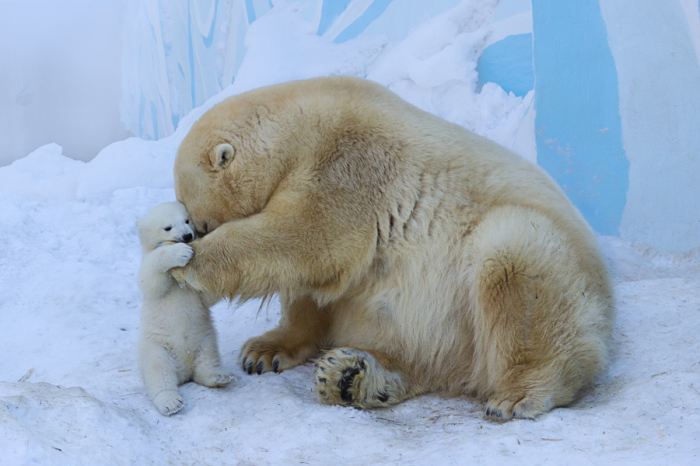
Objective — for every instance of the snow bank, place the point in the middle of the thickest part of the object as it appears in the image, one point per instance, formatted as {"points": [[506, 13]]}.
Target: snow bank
{"points": [[435, 66]]}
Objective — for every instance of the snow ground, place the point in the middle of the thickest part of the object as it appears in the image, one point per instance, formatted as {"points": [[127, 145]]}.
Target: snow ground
{"points": [[70, 391]]}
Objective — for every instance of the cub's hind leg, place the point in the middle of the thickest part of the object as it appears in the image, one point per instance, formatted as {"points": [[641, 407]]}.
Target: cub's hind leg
{"points": [[207, 364], [362, 379], [294, 341], [159, 373], [541, 314]]}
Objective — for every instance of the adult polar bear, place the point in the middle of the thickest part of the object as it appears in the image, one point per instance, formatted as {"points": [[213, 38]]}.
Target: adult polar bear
{"points": [[424, 257]]}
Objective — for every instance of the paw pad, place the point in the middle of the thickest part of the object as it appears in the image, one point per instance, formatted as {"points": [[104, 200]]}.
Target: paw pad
{"points": [[349, 377]]}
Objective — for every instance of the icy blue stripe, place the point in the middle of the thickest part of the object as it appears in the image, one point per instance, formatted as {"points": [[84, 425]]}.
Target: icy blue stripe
{"points": [[154, 120], [250, 11], [210, 37], [142, 109], [190, 54], [577, 124], [330, 10], [372, 12], [508, 63]]}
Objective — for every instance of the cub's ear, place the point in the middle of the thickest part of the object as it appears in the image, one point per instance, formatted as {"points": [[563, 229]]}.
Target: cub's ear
{"points": [[221, 156]]}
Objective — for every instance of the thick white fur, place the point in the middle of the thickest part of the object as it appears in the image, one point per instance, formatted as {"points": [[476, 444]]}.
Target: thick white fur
{"points": [[177, 341], [425, 257]]}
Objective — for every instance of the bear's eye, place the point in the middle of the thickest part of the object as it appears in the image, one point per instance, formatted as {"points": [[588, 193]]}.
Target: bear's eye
{"points": [[187, 222], [168, 228]]}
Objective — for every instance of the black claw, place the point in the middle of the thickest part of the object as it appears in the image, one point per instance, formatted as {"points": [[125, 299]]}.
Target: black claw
{"points": [[249, 368], [260, 367], [346, 382], [322, 380], [498, 414], [488, 411], [383, 397], [361, 362], [276, 366], [513, 413], [243, 365], [331, 359]]}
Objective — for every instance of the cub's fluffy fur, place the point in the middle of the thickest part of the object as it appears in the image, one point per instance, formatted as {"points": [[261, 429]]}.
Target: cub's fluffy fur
{"points": [[421, 256], [177, 341]]}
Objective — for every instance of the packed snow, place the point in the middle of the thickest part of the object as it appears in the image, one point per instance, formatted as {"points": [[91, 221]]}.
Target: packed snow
{"points": [[70, 391]]}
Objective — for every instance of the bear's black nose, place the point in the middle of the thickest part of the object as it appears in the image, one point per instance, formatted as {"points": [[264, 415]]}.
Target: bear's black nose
{"points": [[187, 238]]}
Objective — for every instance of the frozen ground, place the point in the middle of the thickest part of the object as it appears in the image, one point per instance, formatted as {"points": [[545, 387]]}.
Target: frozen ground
{"points": [[70, 392]]}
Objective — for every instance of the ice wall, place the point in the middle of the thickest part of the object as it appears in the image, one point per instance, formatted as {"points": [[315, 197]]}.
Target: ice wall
{"points": [[578, 123], [617, 98], [655, 46], [177, 54], [603, 95]]}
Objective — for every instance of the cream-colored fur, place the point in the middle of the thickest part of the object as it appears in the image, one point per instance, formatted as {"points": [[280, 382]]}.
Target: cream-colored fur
{"points": [[420, 256], [177, 341]]}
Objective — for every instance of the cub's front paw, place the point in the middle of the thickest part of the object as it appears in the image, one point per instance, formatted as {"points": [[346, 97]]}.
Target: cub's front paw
{"points": [[179, 254], [169, 402], [215, 379]]}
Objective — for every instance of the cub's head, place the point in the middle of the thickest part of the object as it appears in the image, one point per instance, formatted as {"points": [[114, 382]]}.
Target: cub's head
{"points": [[233, 158], [167, 222]]}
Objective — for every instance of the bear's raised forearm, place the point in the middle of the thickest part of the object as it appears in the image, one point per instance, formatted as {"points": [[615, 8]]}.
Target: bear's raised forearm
{"points": [[266, 254]]}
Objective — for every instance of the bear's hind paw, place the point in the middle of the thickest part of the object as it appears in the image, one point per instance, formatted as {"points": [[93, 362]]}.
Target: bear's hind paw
{"points": [[350, 377], [501, 408]]}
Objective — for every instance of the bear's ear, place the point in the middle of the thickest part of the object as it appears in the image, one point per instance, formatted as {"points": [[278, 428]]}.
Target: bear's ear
{"points": [[222, 156]]}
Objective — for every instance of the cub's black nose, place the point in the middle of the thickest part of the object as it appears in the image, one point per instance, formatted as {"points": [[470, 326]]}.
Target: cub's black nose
{"points": [[187, 238]]}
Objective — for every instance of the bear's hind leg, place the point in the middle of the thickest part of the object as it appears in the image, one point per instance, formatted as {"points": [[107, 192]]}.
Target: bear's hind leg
{"points": [[294, 341], [350, 377], [539, 323]]}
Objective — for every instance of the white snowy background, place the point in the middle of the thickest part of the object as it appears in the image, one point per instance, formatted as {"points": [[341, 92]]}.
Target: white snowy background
{"points": [[70, 391]]}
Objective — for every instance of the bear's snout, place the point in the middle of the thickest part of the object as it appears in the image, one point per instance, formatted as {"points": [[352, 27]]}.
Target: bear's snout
{"points": [[187, 238]]}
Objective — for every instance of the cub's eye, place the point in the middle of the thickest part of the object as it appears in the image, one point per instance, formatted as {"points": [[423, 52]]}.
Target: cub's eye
{"points": [[187, 222], [168, 228]]}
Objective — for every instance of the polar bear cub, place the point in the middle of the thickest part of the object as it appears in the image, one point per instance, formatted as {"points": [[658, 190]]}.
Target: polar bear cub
{"points": [[177, 340]]}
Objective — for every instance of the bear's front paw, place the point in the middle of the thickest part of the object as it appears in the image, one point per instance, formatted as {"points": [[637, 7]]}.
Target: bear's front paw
{"points": [[273, 352], [169, 402], [179, 255]]}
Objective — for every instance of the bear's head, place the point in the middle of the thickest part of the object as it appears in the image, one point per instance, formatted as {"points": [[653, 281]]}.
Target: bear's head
{"points": [[167, 222], [235, 156]]}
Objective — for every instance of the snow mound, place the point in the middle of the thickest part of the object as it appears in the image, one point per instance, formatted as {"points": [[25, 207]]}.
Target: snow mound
{"points": [[46, 424], [45, 175], [127, 164]]}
